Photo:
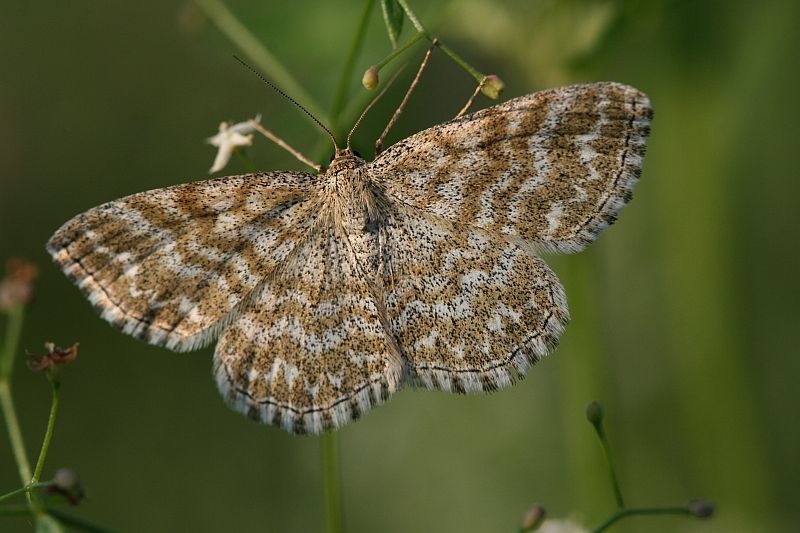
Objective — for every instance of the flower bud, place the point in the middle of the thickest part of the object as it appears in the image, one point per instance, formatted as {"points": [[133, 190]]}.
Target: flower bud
{"points": [[594, 413], [701, 508], [370, 79], [492, 86], [533, 518], [67, 483]]}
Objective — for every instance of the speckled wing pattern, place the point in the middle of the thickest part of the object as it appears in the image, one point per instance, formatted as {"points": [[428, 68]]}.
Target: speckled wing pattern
{"points": [[169, 265], [551, 169], [329, 292], [311, 351], [470, 311]]}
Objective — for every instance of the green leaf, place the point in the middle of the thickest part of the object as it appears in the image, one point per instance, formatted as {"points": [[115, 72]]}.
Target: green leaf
{"points": [[393, 17]]}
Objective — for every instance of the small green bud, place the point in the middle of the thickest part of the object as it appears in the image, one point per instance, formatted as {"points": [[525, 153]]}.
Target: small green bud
{"points": [[492, 86], [594, 413], [533, 518], [701, 508], [370, 78]]}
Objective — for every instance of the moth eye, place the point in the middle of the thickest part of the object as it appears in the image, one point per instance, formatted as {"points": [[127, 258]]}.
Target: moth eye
{"points": [[331, 158], [357, 154]]}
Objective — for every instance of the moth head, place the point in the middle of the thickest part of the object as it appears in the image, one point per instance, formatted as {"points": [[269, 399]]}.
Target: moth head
{"points": [[345, 159]]}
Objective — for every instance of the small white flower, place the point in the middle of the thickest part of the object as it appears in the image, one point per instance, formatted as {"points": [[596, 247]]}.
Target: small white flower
{"points": [[229, 138]]}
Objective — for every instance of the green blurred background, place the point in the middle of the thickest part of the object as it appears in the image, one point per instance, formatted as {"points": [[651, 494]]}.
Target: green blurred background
{"points": [[685, 320]]}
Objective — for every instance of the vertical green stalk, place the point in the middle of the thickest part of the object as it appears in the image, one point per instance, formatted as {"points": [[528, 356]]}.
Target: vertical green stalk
{"points": [[13, 333], [232, 27], [450, 53], [340, 99], [331, 482], [48, 434], [14, 432], [594, 413]]}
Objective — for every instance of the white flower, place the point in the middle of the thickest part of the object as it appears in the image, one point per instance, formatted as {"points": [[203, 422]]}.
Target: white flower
{"points": [[229, 138]]}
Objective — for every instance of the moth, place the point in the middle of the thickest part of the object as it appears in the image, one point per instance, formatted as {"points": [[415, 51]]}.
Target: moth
{"points": [[328, 292]]}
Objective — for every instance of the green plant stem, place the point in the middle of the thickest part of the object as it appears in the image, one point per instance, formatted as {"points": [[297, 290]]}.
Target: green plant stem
{"points": [[331, 482], [14, 432], [228, 24], [48, 434], [601, 435], [397, 51], [13, 332], [412, 17], [455, 57], [623, 513], [7, 495], [340, 98], [76, 523], [25, 489]]}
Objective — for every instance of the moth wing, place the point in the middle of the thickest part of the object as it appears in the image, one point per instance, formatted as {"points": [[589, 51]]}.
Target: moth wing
{"points": [[471, 311], [552, 169], [310, 352], [169, 265]]}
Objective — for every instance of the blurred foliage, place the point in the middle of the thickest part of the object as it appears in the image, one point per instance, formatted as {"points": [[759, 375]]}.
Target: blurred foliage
{"points": [[684, 314]]}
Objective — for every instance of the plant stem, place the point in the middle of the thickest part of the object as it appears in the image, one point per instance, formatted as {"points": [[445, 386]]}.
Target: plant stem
{"points": [[228, 24], [466, 66], [601, 435], [397, 51], [340, 99], [23, 490], [331, 482], [412, 17], [622, 513], [13, 332], [48, 434], [612, 473], [76, 523], [455, 57], [14, 432]]}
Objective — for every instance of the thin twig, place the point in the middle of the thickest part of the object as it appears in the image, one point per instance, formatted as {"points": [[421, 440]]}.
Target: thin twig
{"points": [[396, 116], [611, 471], [233, 28], [450, 53], [48, 435], [397, 51], [280, 142], [332, 484], [13, 330], [471, 99], [340, 99], [77, 523], [369, 106], [622, 513]]}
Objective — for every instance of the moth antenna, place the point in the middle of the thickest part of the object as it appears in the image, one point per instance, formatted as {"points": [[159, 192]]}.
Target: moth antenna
{"points": [[379, 142], [372, 103], [292, 100]]}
